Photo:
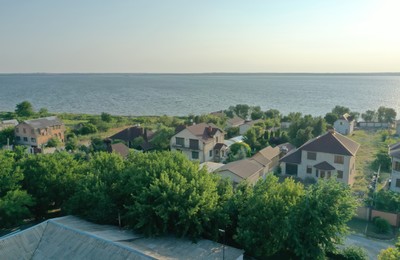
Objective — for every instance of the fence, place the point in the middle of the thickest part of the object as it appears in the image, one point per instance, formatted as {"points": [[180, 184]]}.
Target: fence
{"points": [[366, 213]]}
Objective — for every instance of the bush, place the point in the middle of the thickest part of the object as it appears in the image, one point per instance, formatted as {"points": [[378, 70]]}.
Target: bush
{"points": [[354, 253], [53, 142], [382, 225], [88, 129]]}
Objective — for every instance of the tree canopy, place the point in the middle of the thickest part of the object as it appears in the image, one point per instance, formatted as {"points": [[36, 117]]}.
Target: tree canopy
{"points": [[24, 109]]}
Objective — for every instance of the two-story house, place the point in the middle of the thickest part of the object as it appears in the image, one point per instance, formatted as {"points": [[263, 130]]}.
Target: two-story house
{"points": [[325, 156], [344, 124], [202, 142], [394, 152], [37, 132]]}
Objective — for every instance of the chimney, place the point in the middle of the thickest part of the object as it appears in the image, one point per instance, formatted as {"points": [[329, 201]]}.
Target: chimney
{"points": [[209, 130]]}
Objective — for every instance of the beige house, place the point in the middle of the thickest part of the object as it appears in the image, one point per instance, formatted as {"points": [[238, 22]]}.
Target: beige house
{"points": [[344, 125], [37, 132], [394, 152], [8, 124], [234, 122], [252, 169], [325, 156], [202, 142]]}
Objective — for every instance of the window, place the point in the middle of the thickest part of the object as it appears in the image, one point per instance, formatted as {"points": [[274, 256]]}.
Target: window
{"points": [[194, 144], [195, 155], [309, 169], [398, 183], [33, 140], [25, 139], [339, 159], [216, 139], [180, 141], [210, 153], [340, 174], [311, 156], [322, 174], [397, 166], [18, 138]]}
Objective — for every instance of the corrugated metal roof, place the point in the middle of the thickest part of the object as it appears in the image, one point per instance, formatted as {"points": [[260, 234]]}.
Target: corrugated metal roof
{"points": [[72, 238]]}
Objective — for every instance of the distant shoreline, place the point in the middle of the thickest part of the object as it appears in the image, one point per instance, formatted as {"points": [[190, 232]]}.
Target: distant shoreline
{"points": [[211, 74]]}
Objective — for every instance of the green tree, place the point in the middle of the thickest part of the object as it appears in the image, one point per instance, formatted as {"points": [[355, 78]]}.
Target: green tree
{"points": [[106, 117], [256, 113], [273, 113], [319, 126], [232, 132], [340, 110], [320, 219], [43, 112], [53, 142], [369, 115], [302, 136], [7, 135], [24, 109], [391, 253], [14, 207], [264, 224], [241, 110], [88, 128], [330, 118], [386, 115], [165, 192], [162, 137], [253, 136]]}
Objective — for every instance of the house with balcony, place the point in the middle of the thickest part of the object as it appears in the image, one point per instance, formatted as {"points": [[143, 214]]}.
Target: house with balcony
{"points": [[37, 132], [394, 152], [202, 142], [326, 156]]}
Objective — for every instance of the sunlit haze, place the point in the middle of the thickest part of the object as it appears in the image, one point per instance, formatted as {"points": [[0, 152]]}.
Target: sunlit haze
{"points": [[199, 36]]}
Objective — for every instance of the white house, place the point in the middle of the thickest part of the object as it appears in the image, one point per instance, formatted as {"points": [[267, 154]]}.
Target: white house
{"points": [[325, 156], [394, 152], [202, 142], [344, 125]]}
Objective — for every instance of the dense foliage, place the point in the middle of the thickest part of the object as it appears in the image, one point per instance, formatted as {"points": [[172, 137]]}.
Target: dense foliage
{"points": [[391, 253]]}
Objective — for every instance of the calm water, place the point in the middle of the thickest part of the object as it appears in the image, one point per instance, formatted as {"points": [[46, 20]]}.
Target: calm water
{"points": [[136, 94]]}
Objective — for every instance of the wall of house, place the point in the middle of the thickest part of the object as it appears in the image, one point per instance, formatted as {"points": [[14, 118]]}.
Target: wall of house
{"points": [[329, 158], [236, 179], [38, 137], [395, 176], [342, 126]]}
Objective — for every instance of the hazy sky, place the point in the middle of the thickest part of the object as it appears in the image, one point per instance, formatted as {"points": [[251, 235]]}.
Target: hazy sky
{"points": [[200, 36]]}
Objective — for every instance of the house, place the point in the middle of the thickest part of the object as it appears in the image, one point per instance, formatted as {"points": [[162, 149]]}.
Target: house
{"points": [[247, 125], [246, 169], [128, 135], [73, 238], [234, 122], [37, 132], [211, 166], [268, 158], [8, 123], [344, 125], [331, 154], [202, 142], [394, 152]]}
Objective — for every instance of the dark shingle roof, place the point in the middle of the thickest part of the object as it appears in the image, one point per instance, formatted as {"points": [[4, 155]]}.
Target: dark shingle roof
{"points": [[394, 150], [332, 142], [324, 166], [219, 146], [292, 157]]}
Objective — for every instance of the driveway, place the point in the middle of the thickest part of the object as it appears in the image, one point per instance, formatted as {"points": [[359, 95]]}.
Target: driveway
{"points": [[372, 246]]}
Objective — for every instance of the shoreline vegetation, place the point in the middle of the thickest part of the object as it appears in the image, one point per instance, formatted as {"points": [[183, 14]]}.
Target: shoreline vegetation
{"points": [[161, 192]]}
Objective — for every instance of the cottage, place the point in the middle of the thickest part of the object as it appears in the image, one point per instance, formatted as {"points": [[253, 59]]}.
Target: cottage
{"points": [[394, 152], [8, 124], [247, 169], [325, 156], [268, 158], [37, 132], [202, 142], [344, 125]]}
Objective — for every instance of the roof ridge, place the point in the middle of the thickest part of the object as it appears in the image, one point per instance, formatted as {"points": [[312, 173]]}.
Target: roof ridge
{"points": [[333, 134]]}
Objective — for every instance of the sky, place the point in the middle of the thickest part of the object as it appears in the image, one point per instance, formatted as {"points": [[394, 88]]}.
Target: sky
{"points": [[184, 36]]}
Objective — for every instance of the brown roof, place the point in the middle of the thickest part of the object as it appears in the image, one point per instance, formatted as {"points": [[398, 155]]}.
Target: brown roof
{"points": [[130, 133], [120, 149], [266, 155], [204, 131], [324, 166], [242, 168], [235, 120], [219, 146], [332, 142]]}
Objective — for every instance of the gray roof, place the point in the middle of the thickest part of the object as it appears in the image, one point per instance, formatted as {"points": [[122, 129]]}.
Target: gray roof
{"points": [[10, 122], [44, 122], [72, 238], [394, 150]]}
